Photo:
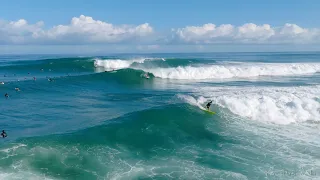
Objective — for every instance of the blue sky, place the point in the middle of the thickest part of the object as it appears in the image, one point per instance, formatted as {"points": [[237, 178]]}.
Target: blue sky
{"points": [[294, 23]]}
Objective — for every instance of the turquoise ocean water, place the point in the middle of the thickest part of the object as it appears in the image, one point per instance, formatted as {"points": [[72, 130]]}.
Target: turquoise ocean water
{"points": [[99, 118]]}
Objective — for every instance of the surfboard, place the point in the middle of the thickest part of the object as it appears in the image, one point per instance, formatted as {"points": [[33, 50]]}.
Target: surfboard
{"points": [[208, 111]]}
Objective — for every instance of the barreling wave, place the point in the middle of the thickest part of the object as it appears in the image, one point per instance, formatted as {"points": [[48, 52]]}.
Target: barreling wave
{"points": [[116, 63], [144, 63]]}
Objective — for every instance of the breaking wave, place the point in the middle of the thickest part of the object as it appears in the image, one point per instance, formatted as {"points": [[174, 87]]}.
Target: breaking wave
{"points": [[279, 105], [242, 70], [213, 71]]}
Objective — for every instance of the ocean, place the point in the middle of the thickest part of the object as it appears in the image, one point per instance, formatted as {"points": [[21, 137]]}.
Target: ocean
{"points": [[98, 117]]}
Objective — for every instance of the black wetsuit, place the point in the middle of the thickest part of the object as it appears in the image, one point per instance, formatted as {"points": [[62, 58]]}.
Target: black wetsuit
{"points": [[3, 134], [209, 104]]}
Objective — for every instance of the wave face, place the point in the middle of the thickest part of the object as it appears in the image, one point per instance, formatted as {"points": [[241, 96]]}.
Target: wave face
{"points": [[142, 116]]}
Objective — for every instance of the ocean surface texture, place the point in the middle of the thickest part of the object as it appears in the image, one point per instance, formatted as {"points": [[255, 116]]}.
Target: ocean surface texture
{"points": [[99, 117]]}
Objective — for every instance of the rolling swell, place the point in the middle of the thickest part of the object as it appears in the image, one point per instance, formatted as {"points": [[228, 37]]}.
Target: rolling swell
{"points": [[147, 144], [56, 65], [122, 76]]}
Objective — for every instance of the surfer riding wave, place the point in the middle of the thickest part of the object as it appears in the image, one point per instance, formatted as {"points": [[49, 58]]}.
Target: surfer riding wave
{"points": [[208, 105]]}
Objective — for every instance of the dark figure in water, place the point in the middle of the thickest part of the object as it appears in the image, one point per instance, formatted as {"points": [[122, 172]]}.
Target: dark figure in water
{"points": [[6, 95], [208, 105], [3, 134]]}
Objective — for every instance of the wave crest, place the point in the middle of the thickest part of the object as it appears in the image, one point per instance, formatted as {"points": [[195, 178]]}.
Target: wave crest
{"points": [[116, 63], [111, 64], [242, 70]]}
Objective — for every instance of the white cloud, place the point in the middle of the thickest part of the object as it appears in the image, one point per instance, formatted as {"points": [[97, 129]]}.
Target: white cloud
{"points": [[247, 33], [81, 30], [17, 32], [85, 30]]}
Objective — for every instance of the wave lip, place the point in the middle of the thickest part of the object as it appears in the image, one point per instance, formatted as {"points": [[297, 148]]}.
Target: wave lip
{"points": [[111, 64], [115, 63], [243, 70]]}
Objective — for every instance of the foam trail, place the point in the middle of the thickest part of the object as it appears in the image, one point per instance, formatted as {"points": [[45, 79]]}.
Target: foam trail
{"points": [[275, 105], [192, 101], [241, 70], [13, 148], [23, 175]]}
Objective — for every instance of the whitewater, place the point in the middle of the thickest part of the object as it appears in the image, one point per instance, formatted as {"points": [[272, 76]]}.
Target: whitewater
{"points": [[221, 71], [99, 118]]}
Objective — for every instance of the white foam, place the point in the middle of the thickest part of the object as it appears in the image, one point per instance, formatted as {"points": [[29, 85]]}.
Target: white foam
{"points": [[280, 105], [115, 63], [23, 175], [193, 101], [241, 70], [111, 64], [13, 148]]}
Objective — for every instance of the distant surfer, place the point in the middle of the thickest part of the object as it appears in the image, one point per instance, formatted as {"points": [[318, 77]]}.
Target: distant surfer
{"points": [[208, 105], [3, 134], [6, 95], [50, 79], [146, 76], [34, 78]]}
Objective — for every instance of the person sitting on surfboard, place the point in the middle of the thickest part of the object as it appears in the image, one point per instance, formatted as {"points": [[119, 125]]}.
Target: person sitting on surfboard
{"points": [[208, 105], [3, 134]]}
